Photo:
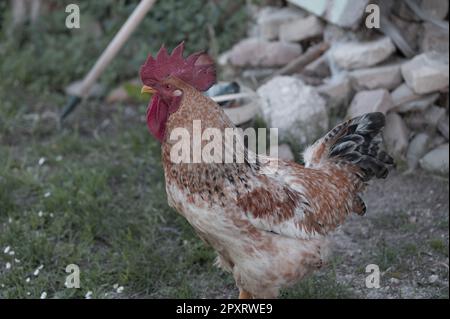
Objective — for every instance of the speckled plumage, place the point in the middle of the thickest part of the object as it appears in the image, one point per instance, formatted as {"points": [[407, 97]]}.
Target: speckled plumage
{"points": [[269, 227], [269, 230]]}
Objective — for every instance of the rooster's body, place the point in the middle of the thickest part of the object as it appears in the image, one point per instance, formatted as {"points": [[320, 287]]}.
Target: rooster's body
{"points": [[269, 230]]}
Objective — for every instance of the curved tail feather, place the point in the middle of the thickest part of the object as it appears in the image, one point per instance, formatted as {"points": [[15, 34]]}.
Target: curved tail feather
{"points": [[357, 142]]}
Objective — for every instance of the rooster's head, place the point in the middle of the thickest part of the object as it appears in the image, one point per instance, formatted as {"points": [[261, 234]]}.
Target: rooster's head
{"points": [[197, 70]]}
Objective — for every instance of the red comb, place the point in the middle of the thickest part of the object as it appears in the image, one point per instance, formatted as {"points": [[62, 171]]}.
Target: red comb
{"points": [[197, 69]]}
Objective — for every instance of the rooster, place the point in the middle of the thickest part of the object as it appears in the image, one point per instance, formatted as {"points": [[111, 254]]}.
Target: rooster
{"points": [[269, 230]]}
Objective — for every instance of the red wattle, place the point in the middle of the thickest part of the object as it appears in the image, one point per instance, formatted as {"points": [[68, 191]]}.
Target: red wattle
{"points": [[157, 114]]}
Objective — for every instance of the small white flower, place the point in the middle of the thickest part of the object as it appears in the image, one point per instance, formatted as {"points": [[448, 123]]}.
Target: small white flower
{"points": [[41, 161], [40, 267], [48, 194], [7, 248], [115, 286], [10, 220], [36, 272], [8, 265], [51, 215], [17, 261], [88, 295], [28, 293], [433, 278], [119, 290], [28, 279], [12, 253], [43, 295], [40, 214], [59, 158]]}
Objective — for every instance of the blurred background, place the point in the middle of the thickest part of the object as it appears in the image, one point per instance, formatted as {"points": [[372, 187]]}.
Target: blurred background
{"points": [[90, 190]]}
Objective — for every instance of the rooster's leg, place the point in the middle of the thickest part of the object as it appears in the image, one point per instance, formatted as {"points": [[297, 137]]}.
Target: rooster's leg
{"points": [[243, 294]]}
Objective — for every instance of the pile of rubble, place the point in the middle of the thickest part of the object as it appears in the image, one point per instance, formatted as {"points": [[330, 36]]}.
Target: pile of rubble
{"points": [[400, 69]]}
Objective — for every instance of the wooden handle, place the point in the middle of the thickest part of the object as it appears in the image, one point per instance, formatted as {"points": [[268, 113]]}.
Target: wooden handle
{"points": [[115, 45]]}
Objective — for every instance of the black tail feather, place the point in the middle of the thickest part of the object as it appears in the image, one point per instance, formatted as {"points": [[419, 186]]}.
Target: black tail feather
{"points": [[359, 143]]}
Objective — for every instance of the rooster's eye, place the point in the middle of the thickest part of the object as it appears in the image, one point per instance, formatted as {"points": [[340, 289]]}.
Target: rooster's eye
{"points": [[168, 86]]}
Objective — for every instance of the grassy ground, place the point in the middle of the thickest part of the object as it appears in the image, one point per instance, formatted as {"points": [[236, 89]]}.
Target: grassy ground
{"points": [[91, 193]]}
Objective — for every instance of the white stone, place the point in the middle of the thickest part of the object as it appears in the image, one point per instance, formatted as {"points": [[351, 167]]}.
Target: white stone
{"points": [[370, 101], [259, 52], [427, 72], [403, 94], [443, 126], [394, 281], [333, 34], [301, 29], [396, 136], [256, 74], [296, 109], [357, 55], [344, 13], [428, 120], [433, 115], [417, 149], [224, 58], [317, 7], [383, 77], [433, 278], [437, 161], [270, 19], [418, 105], [336, 91]]}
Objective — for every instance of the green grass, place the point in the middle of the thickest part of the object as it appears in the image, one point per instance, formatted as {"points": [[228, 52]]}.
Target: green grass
{"points": [[323, 285], [439, 246], [98, 199], [91, 191], [99, 203]]}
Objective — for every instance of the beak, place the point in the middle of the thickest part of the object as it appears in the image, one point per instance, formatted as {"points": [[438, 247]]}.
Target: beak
{"points": [[148, 89]]}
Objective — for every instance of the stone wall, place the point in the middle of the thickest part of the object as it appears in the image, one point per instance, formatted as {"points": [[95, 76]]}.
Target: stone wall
{"points": [[400, 69]]}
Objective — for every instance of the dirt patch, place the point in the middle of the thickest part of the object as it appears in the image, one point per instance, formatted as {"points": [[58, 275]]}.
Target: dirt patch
{"points": [[405, 232]]}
